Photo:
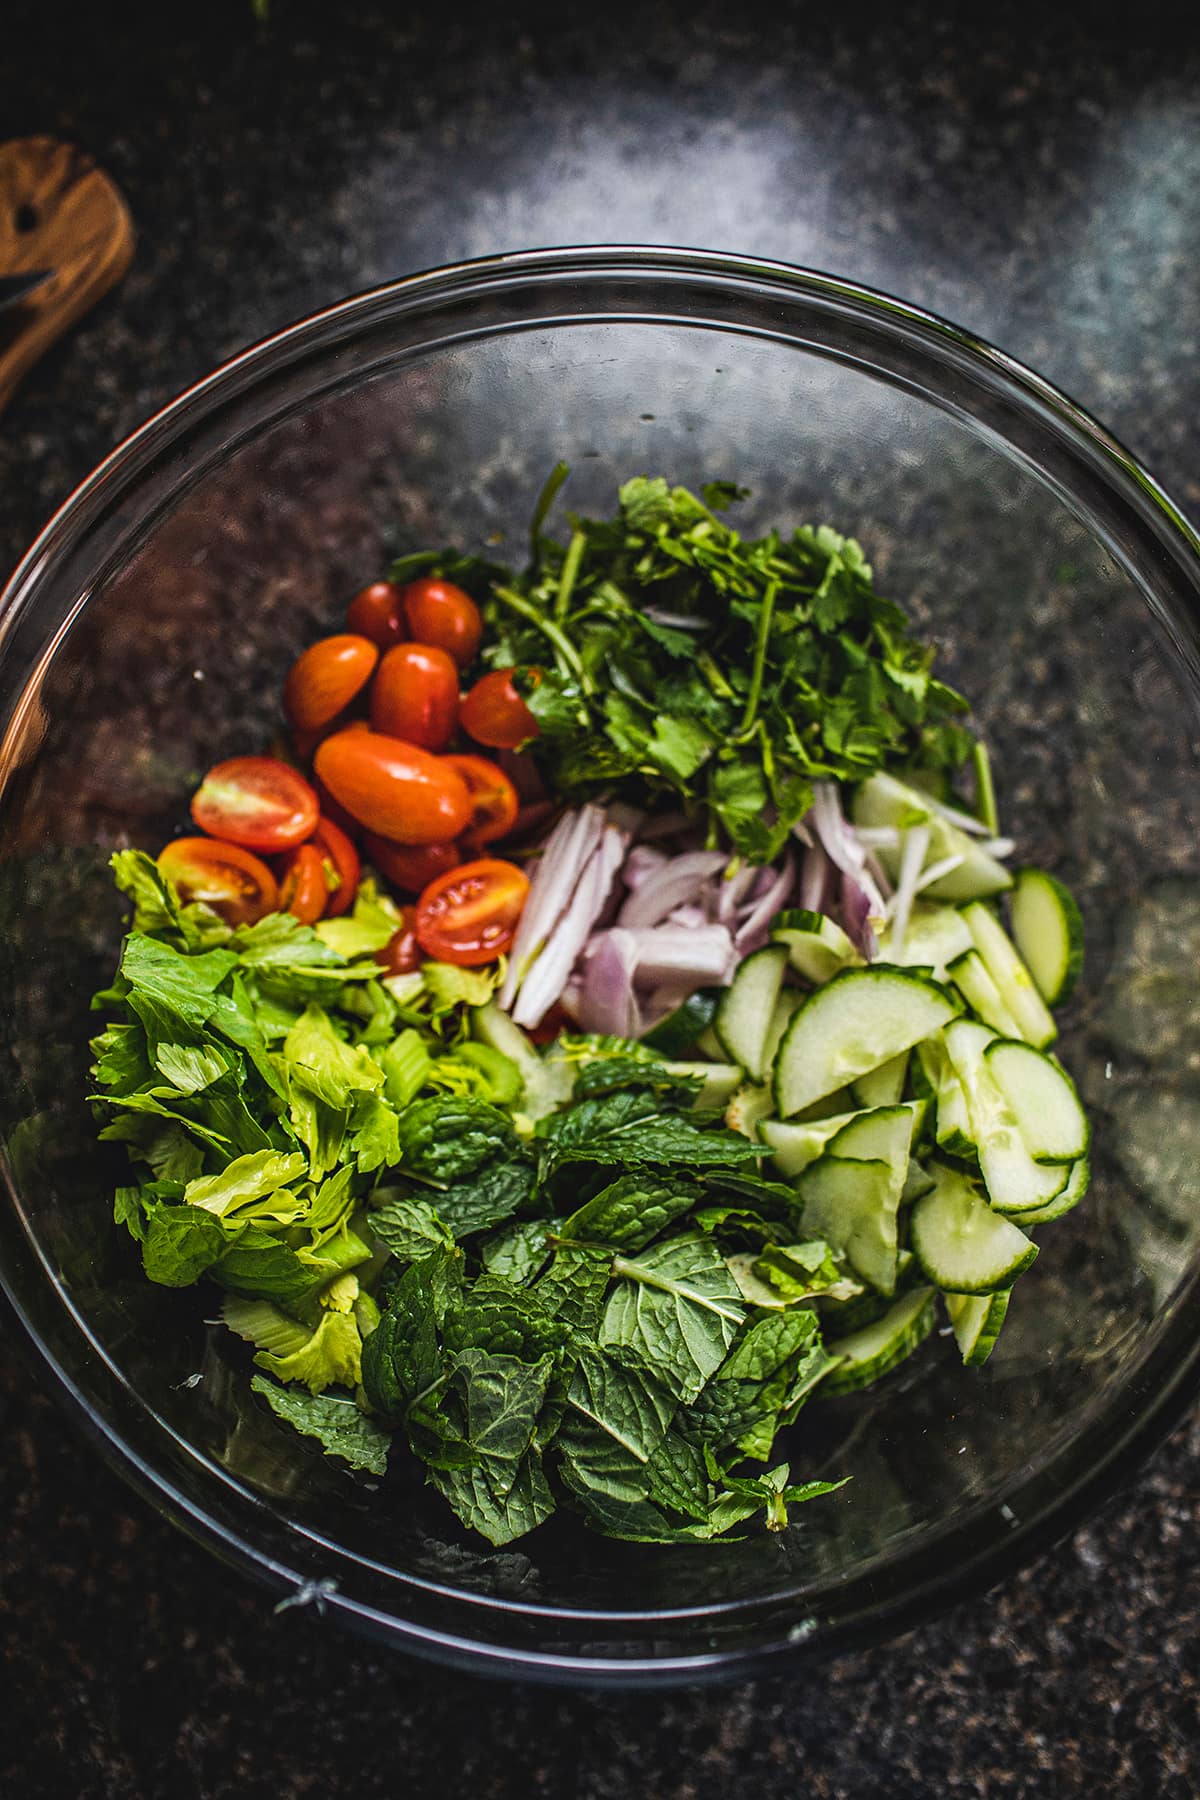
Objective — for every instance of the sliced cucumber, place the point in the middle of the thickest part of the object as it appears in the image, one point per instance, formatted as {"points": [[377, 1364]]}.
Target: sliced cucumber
{"points": [[1015, 1183], [788, 1003], [1048, 932], [935, 935], [882, 1086], [862, 1018], [1072, 1194], [976, 1320], [718, 1081], [743, 1017], [709, 1044], [749, 1106], [793, 1145], [1043, 1097], [817, 948], [884, 801], [1035, 1022], [952, 1131], [870, 1352], [918, 1181], [827, 1107], [853, 1205], [882, 1135], [981, 994], [960, 1243], [679, 1031]]}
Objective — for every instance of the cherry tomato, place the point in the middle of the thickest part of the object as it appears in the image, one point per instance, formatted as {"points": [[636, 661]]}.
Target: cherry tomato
{"points": [[303, 890], [469, 914], [325, 678], [224, 876], [414, 696], [411, 867], [440, 613], [494, 713], [377, 612], [393, 788], [402, 953], [493, 797], [555, 1021], [339, 857], [256, 801]]}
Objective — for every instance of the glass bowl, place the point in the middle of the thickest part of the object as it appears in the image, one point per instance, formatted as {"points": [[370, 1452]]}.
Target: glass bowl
{"points": [[146, 635]]}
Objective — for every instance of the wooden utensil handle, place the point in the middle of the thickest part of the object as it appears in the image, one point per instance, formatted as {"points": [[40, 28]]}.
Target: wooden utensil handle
{"points": [[57, 211]]}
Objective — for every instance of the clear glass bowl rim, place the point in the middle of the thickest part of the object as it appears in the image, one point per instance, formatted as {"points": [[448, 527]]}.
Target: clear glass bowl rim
{"points": [[1155, 1391]]}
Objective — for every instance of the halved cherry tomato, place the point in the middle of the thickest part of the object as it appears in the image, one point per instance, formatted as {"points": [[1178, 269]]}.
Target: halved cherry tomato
{"points": [[256, 801], [556, 1020], [326, 677], [493, 797], [494, 713], [411, 867], [303, 890], [440, 613], [402, 953], [377, 612], [339, 857], [393, 788], [414, 695], [224, 876], [468, 915]]}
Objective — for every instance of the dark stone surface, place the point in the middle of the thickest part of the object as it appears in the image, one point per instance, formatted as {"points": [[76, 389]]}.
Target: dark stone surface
{"points": [[1035, 180]]}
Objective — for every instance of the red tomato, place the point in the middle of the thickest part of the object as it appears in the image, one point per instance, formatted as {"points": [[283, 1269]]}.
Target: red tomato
{"points": [[411, 867], [224, 876], [555, 1021], [377, 612], [440, 613], [303, 890], [469, 914], [402, 953], [493, 797], [325, 678], [339, 858], [394, 788], [494, 713], [414, 696], [256, 801]]}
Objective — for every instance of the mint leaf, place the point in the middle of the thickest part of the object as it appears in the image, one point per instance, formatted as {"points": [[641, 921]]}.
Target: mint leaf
{"points": [[408, 1227], [630, 1211], [338, 1426], [678, 1307]]}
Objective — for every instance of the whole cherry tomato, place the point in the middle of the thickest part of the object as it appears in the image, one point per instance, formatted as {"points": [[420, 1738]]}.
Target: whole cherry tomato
{"points": [[224, 876], [339, 858], [303, 890], [494, 713], [469, 915], [325, 678], [440, 613], [394, 788], [411, 867], [377, 612], [414, 695], [256, 801], [402, 953], [493, 798]]}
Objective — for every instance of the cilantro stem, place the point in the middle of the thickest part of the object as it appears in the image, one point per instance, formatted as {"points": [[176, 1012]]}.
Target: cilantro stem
{"points": [[570, 570], [545, 501], [563, 646], [985, 791], [713, 676], [760, 657]]}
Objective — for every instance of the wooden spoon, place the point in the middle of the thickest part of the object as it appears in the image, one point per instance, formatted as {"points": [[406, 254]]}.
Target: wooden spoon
{"points": [[58, 211]]}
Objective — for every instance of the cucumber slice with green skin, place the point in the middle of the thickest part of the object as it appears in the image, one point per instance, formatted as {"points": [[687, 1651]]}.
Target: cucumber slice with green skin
{"points": [[883, 1086], [827, 1107], [679, 1031], [853, 1205], [884, 801], [817, 948], [1072, 1194], [981, 994], [882, 1135], [708, 1044], [1043, 1097], [934, 937], [976, 1320], [1048, 932], [1015, 1183], [719, 1081], [876, 1348], [1034, 1021], [952, 1131], [788, 1004], [743, 1018], [962, 1245], [794, 1146], [918, 1181], [750, 1105], [862, 1018]]}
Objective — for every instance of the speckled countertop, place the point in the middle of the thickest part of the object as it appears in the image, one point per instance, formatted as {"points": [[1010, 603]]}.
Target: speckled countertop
{"points": [[1037, 183]]}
